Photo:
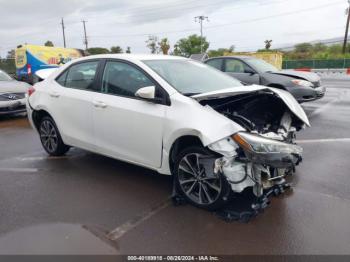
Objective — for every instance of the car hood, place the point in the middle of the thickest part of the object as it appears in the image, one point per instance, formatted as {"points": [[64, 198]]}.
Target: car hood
{"points": [[13, 87], [309, 76], [285, 96]]}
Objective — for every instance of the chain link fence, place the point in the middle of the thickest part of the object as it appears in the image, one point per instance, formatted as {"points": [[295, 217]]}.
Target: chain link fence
{"points": [[316, 63], [8, 65]]}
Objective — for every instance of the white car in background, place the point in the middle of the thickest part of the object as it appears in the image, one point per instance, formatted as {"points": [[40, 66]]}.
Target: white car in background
{"points": [[12, 95], [173, 115]]}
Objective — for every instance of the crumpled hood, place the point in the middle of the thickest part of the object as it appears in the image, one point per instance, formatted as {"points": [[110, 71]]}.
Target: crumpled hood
{"points": [[13, 87], [286, 97], [309, 76]]}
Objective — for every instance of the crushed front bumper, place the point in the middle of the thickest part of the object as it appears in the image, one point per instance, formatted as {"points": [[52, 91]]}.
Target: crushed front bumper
{"points": [[306, 94]]}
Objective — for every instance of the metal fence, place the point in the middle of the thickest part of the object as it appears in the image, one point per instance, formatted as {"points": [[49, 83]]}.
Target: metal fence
{"points": [[8, 65], [316, 63]]}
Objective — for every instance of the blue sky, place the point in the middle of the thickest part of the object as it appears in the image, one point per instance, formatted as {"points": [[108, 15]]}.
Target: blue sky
{"points": [[243, 23]]}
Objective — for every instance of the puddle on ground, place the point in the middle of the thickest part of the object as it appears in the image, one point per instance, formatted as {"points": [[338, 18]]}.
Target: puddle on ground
{"points": [[53, 239]]}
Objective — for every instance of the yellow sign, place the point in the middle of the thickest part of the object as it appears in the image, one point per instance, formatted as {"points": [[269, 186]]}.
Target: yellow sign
{"points": [[45, 55], [274, 58]]}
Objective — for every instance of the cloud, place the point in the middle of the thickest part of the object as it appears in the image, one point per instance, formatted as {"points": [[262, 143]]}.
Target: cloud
{"points": [[127, 23]]}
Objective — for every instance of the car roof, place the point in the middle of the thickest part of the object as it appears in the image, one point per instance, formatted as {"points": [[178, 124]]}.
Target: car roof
{"points": [[235, 56], [134, 57]]}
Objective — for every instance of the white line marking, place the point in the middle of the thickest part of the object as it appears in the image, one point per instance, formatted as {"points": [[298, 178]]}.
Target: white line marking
{"points": [[133, 223], [328, 140], [18, 170]]}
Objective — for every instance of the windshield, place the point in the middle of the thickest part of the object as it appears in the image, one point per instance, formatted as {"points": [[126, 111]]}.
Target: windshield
{"points": [[261, 66], [4, 76], [190, 77]]}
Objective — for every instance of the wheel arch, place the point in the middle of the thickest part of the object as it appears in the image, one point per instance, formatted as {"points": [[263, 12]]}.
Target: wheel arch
{"points": [[180, 144], [38, 115]]}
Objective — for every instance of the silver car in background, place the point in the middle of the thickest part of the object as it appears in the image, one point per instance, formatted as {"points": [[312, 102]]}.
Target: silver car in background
{"points": [[12, 95]]}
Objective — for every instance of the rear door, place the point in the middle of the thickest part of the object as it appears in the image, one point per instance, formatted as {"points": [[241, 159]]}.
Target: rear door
{"points": [[241, 71], [70, 102]]}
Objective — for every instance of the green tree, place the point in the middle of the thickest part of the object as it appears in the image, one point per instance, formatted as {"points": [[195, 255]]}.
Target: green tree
{"points": [[192, 45], [221, 51], [268, 44], [320, 47], [49, 43], [97, 50], [116, 50], [164, 45], [11, 54], [152, 44], [128, 50], [303, 48]]}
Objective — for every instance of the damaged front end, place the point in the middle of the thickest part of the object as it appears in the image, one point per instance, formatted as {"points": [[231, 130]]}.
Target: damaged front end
{"points": [[263, 155], [250, 160]]}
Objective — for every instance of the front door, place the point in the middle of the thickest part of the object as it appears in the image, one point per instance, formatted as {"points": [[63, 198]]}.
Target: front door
{"points": [[125, 126], [241, 71]]}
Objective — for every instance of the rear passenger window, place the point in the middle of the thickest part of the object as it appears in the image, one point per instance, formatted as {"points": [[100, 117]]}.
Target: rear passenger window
{"points": [[80, 76], [216, 63]]}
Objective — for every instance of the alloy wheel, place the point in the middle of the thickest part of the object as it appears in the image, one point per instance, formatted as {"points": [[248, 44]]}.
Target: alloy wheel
{"points": [[199, 183], [48, 136]]}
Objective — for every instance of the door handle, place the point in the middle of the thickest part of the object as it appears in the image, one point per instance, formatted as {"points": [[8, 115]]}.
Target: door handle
{"points": [[99, 104], [55, 94]]}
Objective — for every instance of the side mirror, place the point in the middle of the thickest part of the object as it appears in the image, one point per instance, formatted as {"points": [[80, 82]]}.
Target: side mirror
{"points": [[249, 71], [148, 92]]}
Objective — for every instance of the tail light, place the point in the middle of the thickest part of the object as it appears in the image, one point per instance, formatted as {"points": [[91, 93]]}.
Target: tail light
{"points": [[31, 91]]}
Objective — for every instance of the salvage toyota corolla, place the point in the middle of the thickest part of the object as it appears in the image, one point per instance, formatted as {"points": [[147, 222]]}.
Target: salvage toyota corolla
{"points": [[173, 115]]}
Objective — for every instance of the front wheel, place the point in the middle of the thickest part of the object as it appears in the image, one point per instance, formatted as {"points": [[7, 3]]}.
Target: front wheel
{"points": [[196, 180], [51, 138]]}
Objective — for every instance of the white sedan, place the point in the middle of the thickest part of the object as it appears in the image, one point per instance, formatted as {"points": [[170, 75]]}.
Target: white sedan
{"points": [[173, 115]]}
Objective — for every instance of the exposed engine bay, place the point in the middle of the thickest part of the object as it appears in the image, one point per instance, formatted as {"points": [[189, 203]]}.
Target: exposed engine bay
{"points": [[260, 112], [265, 115]]}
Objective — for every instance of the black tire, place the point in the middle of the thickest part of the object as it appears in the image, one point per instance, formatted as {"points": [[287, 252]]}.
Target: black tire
{"points": [[50, 137], [198, 184]]}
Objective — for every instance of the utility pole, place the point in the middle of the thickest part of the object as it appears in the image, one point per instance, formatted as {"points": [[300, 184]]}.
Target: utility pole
{"points": [[86, 43], [200, 20], [64, 34], [347, 28]]}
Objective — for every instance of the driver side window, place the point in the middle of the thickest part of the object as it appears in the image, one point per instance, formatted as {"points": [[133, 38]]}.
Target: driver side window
{"points": [[235, 66], [123, 79]]}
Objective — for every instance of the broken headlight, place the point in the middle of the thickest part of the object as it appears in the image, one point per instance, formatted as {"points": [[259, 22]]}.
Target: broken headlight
{"points": [[268, 151], [305, 83]]}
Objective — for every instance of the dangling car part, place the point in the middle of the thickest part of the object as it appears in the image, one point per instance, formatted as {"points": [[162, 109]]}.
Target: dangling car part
{"points": [[259, 158]]}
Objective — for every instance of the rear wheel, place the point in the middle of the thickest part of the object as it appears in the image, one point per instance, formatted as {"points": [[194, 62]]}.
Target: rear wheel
{"points": [[51, 138], [196, 180]]}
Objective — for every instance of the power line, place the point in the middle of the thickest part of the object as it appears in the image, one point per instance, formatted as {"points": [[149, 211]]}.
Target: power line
{"points": [[229, 24]]}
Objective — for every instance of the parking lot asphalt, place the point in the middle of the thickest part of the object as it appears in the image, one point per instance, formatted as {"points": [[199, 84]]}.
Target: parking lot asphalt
{"points": [[89, 204]]}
